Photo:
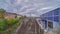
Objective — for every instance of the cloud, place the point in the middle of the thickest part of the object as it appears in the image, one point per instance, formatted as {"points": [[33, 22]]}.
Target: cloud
{"points": [[15, 10], [31, 15], [17, 1], [26, 0], [8, 1], [45, 8], [36, 7]]}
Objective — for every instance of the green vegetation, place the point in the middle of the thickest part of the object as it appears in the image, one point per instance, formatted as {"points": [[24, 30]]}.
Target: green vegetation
{"points": [[12, 21], [7, 26], [3, 24], [2, 13]]}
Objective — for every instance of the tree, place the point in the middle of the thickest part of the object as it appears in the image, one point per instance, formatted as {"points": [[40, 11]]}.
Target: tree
{"points": [[2, 13]]}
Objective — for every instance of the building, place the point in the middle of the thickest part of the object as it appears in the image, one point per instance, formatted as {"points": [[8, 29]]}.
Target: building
{"points": [[12, 15], [51, 19]]}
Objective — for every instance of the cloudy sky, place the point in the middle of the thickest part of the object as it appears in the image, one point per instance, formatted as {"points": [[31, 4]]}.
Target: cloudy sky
{"points": [[27, 7]]}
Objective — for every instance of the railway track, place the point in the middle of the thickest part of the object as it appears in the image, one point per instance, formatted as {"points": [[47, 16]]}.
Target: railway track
{"points": [[30, 27]]}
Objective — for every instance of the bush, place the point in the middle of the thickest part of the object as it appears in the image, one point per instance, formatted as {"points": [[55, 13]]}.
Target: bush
{"points": [[12, 21], [16, 20], [3, 24], [8, 31], [8, 25]]}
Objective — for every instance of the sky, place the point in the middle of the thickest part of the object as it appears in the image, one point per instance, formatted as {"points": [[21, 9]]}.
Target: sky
{"points": [[29, 7]]}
